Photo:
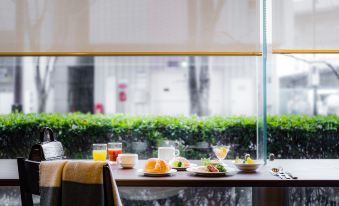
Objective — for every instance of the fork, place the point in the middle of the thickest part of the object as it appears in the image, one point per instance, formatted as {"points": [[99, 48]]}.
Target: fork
{"points": [[290, 174], [287, 176]]}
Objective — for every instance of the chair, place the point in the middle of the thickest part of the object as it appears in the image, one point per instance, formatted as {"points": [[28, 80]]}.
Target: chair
{"points": [[29, 182], [107, 181]]}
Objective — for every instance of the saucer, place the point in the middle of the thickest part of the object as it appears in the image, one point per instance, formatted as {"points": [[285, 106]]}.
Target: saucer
{"points": [[127, 166]]}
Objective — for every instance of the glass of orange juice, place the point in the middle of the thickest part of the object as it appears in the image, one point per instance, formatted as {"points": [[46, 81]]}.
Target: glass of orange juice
{"points": [[100, 152]]}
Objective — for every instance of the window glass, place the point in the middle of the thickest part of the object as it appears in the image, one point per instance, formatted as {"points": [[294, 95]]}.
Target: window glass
{"points": [[191, 102], [304, 84], [149, 85], [7, 75]]}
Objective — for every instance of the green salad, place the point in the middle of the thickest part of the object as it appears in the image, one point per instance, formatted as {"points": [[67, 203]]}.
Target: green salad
{"points": [[177, 164]]}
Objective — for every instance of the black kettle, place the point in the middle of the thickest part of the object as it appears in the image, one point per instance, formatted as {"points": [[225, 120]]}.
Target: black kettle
{"points": [[49, 149]]}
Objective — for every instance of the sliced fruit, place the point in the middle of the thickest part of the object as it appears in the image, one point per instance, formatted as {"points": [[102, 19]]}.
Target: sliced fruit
{"points": [[249, 161]]}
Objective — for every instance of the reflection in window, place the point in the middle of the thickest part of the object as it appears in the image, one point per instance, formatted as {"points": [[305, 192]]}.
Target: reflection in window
{"points": [[305, 84], [6, 84], [159, 85]]}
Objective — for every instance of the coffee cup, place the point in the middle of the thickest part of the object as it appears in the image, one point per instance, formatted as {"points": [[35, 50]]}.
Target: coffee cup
{"points": [[127, 160], [167, 153]]}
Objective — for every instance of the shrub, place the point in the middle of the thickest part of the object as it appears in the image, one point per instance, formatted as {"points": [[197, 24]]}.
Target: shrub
{"points": [[288, 136]]}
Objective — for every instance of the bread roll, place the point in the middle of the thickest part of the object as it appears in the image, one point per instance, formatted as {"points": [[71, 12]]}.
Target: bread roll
{"points": [[150, 164], [162, 167], [154, 165]]}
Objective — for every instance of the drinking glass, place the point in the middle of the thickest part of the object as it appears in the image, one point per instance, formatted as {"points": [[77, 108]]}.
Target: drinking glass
{"points": [[99, 152], [221, 151], [114, 149]]}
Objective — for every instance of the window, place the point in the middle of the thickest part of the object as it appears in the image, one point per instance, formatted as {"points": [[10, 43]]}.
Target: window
{"points": [[144, 85], [305, 84]]}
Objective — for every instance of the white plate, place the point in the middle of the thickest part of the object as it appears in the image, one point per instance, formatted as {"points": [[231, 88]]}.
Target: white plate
{"points": [[197, 171], [184, 168], [149, 174], [247, 167]]}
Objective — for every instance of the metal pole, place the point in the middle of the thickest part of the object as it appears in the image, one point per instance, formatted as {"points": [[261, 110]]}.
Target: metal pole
{"points": [[262, 118]]}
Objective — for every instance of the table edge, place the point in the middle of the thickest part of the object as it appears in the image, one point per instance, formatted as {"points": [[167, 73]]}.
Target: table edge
{"points": [[210, 183]]}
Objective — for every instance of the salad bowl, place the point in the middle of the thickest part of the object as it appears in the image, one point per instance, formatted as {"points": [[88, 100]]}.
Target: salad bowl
{"points": [[247, 164]]}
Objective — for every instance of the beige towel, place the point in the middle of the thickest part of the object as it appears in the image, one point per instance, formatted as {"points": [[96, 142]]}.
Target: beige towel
{"points": [[50, 182], [71, 183]]}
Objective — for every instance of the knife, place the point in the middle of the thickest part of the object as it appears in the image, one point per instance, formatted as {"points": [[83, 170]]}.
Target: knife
{"points": [[281, 175]]}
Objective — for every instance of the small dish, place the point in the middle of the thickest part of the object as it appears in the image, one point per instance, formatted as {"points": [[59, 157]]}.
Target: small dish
{"points": [[127, 166], [247, 167], [184, 168], [149, 174]]}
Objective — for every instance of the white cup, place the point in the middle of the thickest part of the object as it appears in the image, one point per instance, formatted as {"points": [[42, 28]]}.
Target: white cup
{"points": [[127, 160], [167, 153]]}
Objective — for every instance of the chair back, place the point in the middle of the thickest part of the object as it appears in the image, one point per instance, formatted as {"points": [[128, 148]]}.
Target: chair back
{"points": [[107, 181], [29, 180]]}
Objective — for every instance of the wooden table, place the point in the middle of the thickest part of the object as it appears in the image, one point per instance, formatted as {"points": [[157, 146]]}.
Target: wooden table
{"points": [[311, 173]]}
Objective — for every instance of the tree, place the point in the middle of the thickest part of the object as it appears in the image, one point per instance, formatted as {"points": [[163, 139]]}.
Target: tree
{"points": [[204, 87], [17, 106], [43, 69], [199, 86], [193, 87], [314, 70]]}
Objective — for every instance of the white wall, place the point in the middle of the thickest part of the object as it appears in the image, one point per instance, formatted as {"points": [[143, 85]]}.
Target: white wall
{"points": [[169, 91], [6, 101], [29, 91], [155, 88]]}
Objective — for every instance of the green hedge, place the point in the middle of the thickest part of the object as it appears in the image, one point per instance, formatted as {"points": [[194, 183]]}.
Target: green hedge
{"points": [[288, 136]]}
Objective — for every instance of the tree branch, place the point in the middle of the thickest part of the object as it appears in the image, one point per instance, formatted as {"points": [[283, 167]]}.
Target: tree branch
{"points": [[37, 74], [193, 86], [332, 68], [50, 69]]}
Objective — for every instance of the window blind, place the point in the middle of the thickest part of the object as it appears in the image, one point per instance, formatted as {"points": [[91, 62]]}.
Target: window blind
{"points": [[305, 26], [79, 27]]}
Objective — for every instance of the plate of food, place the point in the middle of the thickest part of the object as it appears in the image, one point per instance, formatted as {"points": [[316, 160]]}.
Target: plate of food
{"points": [[181, 163], [211, 168], [156, 168], [247, 164]]}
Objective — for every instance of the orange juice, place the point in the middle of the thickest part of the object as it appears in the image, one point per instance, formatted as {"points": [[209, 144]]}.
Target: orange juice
{"points": [[99, 155]]}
